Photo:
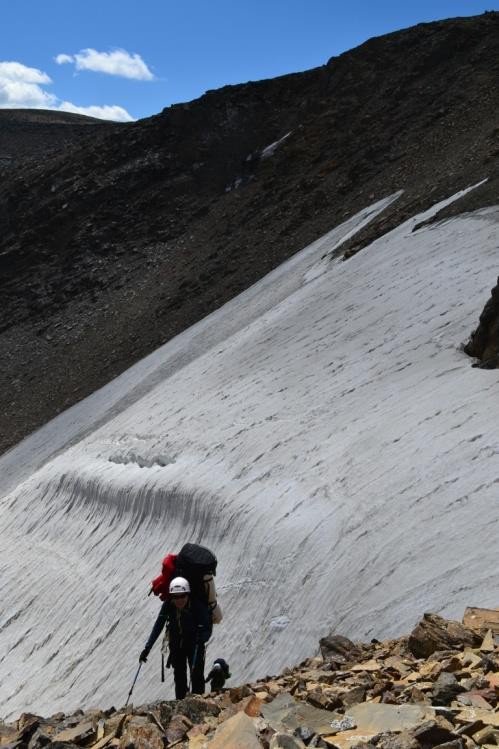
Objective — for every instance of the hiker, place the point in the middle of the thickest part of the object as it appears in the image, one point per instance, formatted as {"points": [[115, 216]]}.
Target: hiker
{"points": [[218, 675], [189, 625], [198, 565]]}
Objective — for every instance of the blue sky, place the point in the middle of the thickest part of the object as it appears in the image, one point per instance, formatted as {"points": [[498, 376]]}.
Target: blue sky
{"points": [[127, 59]]}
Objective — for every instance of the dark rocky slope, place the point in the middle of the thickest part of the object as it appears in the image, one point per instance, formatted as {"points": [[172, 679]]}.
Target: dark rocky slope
{"points": [[38, 134], [120, 241]]}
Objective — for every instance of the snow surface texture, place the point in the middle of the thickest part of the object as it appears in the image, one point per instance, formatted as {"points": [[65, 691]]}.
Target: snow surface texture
{"points": [[324, 433]]}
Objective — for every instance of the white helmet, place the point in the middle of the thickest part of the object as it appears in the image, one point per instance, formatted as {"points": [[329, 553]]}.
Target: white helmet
{"points": [[179, 585]]}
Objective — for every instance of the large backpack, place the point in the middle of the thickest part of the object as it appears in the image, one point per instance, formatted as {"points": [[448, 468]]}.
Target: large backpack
{"points": [[199, 566]]}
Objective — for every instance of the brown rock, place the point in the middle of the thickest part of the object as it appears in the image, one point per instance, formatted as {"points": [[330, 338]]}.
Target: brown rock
{"points": [[481, 620], [435, 633], [262, 696], [236, 694], [476, 699], [177, 728], [471, 658], [370, 666], [83, 733], [27, 719], [473, 714], [334, 646], [434, 732], [253, 706], [487, 735], [396, 663], [29, 726], [142, 733], [200, 729], [197, 708], [417, 695], [7, 733], [348, 739], [318, 698], [402, 740], [353, 696], [487, 645], [198, 742], [238, 732]]}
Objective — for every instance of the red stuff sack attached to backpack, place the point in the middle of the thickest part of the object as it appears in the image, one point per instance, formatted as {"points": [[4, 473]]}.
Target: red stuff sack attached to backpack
{"points": [[161, 584]]}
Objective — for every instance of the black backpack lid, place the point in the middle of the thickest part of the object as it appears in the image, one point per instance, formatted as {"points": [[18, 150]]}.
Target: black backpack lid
{"points": [[194, 556]]}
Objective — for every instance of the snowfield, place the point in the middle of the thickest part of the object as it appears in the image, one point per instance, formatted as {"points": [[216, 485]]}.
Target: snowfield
{"points": [[323, 433]]}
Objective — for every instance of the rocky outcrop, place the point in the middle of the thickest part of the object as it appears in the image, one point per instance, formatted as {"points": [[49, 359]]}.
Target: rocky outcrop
{"points": [[435, 633], [447, 700], [484, 341]]}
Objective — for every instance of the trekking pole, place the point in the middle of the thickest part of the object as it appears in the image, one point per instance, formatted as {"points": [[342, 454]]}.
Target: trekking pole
{"points": [[131, 689]]}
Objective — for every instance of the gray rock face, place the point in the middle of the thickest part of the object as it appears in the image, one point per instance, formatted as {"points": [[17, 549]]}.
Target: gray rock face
{"points": [[446, 688]]}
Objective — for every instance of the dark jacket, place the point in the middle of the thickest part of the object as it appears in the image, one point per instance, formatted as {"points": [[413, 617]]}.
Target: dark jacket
{"points": [[186, 627]]}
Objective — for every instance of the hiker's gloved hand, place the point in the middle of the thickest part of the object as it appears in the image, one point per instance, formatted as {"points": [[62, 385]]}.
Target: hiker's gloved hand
{"points": [[143, 655]]}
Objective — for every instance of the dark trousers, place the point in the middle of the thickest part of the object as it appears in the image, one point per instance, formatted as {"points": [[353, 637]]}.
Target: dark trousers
{"points": [[181, 659]]}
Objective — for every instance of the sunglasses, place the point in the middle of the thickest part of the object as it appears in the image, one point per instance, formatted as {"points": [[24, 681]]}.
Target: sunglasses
{"points": [[176, 596]]}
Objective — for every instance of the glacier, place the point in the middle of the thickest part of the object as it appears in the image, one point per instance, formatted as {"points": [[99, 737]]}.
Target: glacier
{"points": [[323, 433]]}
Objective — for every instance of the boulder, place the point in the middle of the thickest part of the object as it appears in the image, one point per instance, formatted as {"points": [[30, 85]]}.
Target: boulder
{"points": [[238, 732], [434, 633], [338, 647]]}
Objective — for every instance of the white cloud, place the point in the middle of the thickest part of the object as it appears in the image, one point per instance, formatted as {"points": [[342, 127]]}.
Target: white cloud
{"points": [[106, 112], [118, 62], [61, 59], [17, 72], [21, 87]]}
